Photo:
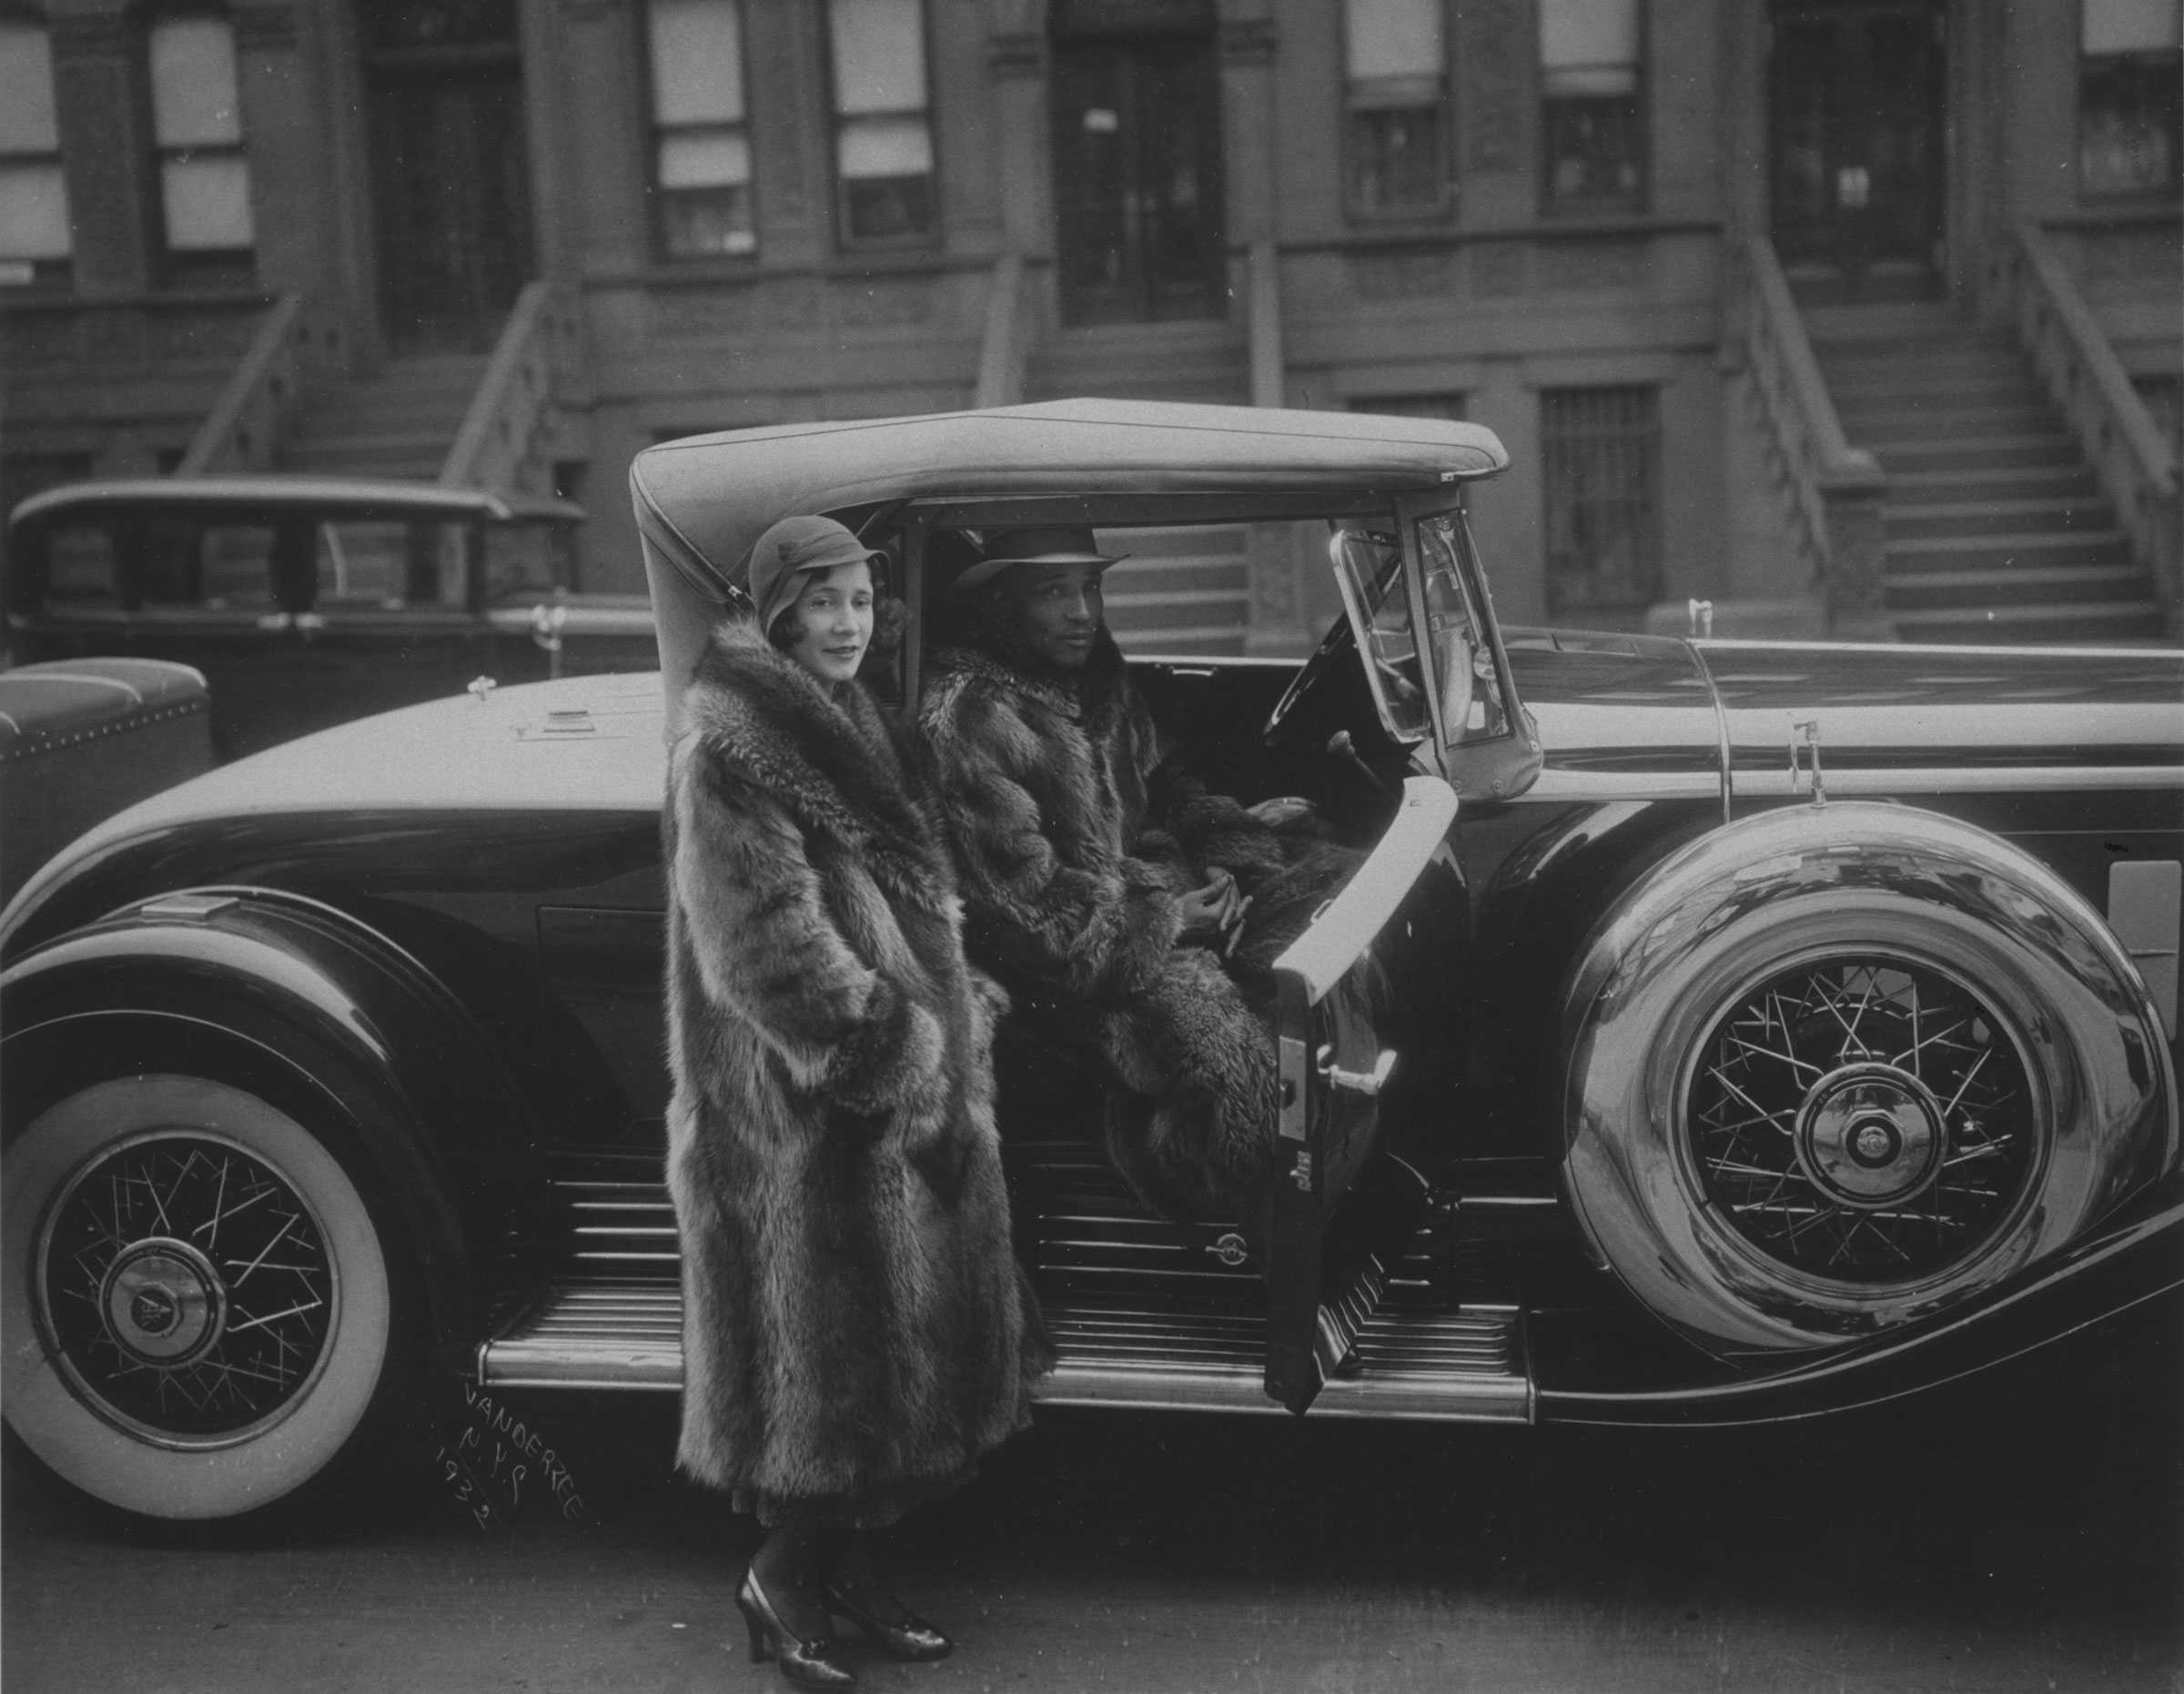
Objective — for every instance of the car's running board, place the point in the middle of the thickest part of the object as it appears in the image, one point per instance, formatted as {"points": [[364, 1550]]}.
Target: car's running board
{"points": [[1465, 1365]]}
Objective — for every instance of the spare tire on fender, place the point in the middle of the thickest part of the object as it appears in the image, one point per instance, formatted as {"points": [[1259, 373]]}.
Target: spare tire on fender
{"points": [[1833, 1068]]}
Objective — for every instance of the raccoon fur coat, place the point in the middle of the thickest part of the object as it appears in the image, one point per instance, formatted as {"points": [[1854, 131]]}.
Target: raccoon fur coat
{"points": [[1076, 835], [855, 1323]]}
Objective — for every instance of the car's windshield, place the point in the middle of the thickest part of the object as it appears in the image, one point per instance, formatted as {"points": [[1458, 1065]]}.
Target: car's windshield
{"points": [[1369, 570]]}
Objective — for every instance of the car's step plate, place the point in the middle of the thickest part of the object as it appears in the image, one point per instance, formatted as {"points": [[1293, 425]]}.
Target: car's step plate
{"points": [[1464, 1365]]}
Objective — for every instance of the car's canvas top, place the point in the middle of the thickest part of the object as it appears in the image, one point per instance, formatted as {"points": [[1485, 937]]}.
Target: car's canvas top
{"points": [[709, 497], [702, 501]]}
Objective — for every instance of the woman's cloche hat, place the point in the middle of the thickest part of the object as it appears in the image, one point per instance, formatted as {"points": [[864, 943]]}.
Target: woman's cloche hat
{"points": [[791, 549], [1057, 544]]}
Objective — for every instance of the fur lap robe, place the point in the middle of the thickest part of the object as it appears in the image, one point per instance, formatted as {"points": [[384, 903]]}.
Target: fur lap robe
{"points": [[1076, 836], [857, 1329]]}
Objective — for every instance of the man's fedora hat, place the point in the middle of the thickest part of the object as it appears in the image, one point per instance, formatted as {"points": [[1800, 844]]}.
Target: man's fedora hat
{"points": [[1059, 544]]}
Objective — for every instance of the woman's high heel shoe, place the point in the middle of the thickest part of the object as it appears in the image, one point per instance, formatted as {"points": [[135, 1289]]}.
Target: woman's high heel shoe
{"points": [[810, 1663], [901, 1631]]}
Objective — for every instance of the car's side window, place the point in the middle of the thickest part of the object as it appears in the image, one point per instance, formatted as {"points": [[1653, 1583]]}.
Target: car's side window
{"points": [[185, 563], [524, 560], [1475, 703], [1369, 571], [82, 567], [388, 565]]}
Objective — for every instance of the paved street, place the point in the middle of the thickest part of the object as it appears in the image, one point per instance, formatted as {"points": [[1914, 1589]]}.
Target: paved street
{"points": [[2011, 1538]]}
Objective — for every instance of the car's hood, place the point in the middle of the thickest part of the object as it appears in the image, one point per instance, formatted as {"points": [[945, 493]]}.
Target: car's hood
{"points": [[581, 745], [1896, 718], [1629, 714]]}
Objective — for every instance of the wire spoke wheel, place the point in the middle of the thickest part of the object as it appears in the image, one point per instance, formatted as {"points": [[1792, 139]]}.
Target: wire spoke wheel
{"points": [[187, 1287], [200, 1313], [1863, 1119]]}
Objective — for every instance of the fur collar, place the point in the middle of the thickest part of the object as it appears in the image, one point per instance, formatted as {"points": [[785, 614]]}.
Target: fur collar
{"points": [[829, 756], [990, 657]]}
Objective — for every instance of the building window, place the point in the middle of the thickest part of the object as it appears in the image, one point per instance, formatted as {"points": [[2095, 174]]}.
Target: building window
{"points": [[1397, 129], [1593, 119], [700, 139], [1600, 460], [883, 129], [197, 130], [35, 239], [2129, 78]]}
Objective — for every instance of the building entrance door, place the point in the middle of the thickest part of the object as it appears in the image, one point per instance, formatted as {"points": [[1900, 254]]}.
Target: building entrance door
{"points": [[1137, 178], [450, 170], [1856, 90]]}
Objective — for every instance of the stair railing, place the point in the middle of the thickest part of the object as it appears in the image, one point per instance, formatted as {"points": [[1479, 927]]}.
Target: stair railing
{"points": [[2058, 331], [295, 342], [1835, 488], [1005, 343], [513, 423]]}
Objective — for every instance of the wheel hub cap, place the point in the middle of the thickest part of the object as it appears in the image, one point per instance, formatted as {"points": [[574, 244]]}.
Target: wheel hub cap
{"points": [[1870, 1135], [1862, 1120], [185, 1287], [163, 1301]]}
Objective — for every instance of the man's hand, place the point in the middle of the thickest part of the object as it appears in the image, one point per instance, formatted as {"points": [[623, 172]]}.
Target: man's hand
{"points": [[1210, 911]]}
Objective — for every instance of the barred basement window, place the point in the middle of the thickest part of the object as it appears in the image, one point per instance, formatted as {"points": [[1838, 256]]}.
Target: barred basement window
{"points": [[1593, 118], [700, 138], [883, 129], [1599, 454], [37, 240], [205, 218], [2130, 115], [1396, 143]]}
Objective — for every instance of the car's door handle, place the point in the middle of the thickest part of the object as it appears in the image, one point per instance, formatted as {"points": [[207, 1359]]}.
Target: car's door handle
{"points": [[1367, 1083]]}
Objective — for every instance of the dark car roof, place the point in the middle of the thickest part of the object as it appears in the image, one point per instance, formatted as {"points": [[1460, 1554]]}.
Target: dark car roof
{"points": [[325, 494], [708, 498]]}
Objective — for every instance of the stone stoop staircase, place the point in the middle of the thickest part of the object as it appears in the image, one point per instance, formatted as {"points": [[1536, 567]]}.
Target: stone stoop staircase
{"points": [[1995, 527], [1183, 590], [399, 422]]}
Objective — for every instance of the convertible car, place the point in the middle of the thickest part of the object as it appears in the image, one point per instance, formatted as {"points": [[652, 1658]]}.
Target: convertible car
{"points": [[1714, 1032]]}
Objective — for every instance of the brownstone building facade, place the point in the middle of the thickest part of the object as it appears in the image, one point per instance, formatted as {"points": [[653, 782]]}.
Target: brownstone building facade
{"points": [[1700, 263]]}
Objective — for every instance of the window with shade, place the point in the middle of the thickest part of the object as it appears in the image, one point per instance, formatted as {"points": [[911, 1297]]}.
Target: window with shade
{"points": [[35, 239], [883, 123], [207, 228], [700, 138], [1396, 121], [2129, 77], [1593, 113]]}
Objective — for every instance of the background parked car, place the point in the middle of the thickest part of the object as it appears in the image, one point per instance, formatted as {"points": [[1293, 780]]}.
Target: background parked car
{"points": [[81, 739], [306, 600]]}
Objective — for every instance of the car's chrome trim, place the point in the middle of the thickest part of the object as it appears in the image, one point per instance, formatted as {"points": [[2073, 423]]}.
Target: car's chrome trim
{"points": [[1467, 1365], [1324, 953], [1895, 781], [1561, 785], [1726, 776]]}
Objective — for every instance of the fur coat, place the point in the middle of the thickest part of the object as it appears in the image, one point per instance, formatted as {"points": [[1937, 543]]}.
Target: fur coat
{"points": [[1076, 834], [855, 1323]]}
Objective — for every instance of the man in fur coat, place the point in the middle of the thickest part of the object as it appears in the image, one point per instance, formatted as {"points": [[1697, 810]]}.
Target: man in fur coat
{"points": [[1105, 885], [856, 1327]]}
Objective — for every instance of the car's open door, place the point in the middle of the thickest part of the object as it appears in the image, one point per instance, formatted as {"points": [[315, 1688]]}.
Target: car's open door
{"points": [[1347, 1027]]}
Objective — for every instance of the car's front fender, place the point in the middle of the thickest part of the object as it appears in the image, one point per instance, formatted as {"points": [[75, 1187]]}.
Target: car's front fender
{"points": [[282, 986]]}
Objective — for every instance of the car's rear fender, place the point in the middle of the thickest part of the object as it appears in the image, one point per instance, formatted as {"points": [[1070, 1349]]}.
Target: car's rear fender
{"points": [[262, 986]]}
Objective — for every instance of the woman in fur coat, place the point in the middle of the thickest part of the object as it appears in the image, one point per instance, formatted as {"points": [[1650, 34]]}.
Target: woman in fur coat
{"points": [[857, 1329], [1098, 876]]}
